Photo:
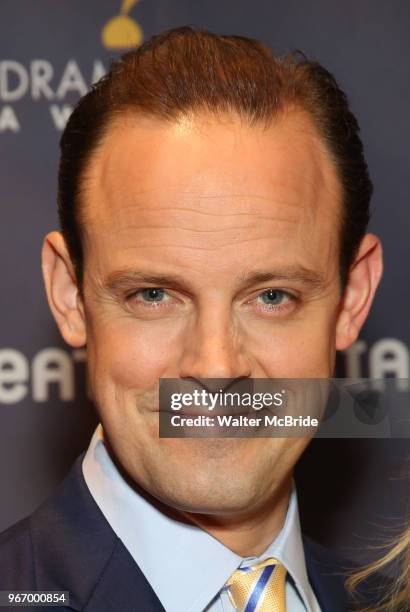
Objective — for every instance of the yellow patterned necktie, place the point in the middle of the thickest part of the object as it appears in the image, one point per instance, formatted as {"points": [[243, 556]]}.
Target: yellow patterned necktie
{"points": [[258, 588]]}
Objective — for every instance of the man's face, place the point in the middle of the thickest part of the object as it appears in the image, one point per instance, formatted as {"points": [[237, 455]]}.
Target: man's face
{"points": [[212, 214]]}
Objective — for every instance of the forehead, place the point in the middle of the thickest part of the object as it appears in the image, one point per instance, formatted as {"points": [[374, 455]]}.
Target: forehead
{"points": [[200, 187]]}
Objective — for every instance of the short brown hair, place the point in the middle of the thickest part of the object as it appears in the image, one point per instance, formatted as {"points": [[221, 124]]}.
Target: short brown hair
{"points": [[184, 70]]}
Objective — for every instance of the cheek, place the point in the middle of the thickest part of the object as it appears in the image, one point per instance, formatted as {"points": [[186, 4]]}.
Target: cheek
{"points": [[130, 355], [299, 349]]}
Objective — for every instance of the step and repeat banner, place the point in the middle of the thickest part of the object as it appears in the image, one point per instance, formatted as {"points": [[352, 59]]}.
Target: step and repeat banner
{"points": [[352, 492]]}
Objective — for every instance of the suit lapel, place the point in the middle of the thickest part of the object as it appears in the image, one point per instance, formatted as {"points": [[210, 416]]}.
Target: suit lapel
{"points": [[326, 578], [123, 586], [76, 550]]}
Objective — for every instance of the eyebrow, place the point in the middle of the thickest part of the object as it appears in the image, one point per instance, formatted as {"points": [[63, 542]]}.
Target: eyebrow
{"points": [[126, 279], [289, 273], [122, 280]]}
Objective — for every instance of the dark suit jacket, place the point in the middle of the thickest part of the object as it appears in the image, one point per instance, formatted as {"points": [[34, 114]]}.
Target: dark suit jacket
{"points": [[68, 545]]}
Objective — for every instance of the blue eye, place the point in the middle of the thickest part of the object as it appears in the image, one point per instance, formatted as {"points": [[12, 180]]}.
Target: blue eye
{"points": [[152, 294], [151, 299], [272, 297]]}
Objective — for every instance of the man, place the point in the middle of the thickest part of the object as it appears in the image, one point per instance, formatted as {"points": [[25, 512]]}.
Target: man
{"points": [[213, 201]]}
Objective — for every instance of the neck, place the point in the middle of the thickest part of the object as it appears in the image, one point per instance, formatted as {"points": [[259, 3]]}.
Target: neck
{"points": [[248, 533]]}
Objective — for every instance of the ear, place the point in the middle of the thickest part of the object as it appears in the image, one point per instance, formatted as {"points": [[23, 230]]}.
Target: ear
{"points": [[62, 292], [363, 280]]}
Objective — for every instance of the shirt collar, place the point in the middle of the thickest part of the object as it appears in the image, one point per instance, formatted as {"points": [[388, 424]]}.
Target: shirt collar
{"points": [[164, 548]]}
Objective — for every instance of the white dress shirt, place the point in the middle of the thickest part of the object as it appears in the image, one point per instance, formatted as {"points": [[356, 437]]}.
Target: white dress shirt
{"points": [[186, 566]]}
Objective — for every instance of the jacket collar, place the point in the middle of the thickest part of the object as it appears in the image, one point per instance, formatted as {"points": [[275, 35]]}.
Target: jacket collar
{"points": [[75, 550], [326, 577]]}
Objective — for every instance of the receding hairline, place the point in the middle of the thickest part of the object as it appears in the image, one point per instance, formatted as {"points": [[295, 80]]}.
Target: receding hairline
{"points": [[199, 118]]}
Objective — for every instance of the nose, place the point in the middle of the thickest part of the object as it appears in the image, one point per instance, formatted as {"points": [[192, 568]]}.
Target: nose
{"points": [[214, 348]]}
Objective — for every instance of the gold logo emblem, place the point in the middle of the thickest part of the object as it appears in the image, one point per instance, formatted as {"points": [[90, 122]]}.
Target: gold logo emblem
{"points": [[121, 31]]}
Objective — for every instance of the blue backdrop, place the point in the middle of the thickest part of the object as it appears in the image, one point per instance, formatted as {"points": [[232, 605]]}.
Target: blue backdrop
{"points": [[352, 491]]}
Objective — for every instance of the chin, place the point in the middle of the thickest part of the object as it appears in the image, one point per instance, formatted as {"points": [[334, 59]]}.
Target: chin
{"points": [[208, 503], [207, 492]]}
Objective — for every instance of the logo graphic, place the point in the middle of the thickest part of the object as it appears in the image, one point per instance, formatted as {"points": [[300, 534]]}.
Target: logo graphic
{"points": [[121, 31]]}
